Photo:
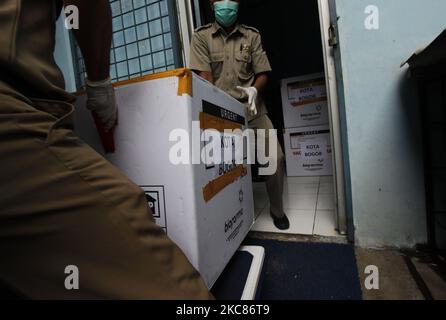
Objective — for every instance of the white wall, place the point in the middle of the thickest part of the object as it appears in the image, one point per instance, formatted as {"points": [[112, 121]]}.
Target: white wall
{"points": [[383, 124], [63, 55]]}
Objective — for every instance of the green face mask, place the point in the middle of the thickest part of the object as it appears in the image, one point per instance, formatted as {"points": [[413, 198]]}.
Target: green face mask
{"points": [[226, 12]]}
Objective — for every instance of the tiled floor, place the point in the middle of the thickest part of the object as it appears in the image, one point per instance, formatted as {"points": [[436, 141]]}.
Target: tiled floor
{"points": [[308, 203]]}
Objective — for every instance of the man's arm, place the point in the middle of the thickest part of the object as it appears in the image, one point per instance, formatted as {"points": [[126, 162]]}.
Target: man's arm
{"points": [[260, 63], [261, 67], [261, 81], [94, 36], [206, 75], [199, 58]]}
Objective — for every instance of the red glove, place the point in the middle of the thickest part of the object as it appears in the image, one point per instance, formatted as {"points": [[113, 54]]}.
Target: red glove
{"points": [[107, 138]]}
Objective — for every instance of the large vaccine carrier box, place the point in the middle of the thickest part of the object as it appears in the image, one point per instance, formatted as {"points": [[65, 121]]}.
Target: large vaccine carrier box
{"points": [[204, 206]]}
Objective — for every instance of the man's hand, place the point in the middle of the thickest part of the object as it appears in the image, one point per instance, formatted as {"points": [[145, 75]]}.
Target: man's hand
{"points": [[251, 92], [101, 100]]}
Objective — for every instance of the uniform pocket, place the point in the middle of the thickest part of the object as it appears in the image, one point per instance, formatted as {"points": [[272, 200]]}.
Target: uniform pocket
{"points": [[217, 64], [244, 66]]}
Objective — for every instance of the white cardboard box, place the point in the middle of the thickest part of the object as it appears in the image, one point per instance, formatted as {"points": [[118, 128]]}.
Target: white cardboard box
{"points": [[304, 101], [209, 231], [308, 151]]}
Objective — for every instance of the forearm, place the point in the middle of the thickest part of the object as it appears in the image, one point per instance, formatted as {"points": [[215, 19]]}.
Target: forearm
{"points": [[207, 76], [94, 36], [260, 82]]}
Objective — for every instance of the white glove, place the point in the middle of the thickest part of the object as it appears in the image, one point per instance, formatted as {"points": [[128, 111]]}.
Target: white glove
{"points": [[251, 92], [101, 100]]}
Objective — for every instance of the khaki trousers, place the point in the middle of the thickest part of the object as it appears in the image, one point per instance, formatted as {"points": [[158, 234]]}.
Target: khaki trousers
{"points": [[274, 183], [62, 204]]}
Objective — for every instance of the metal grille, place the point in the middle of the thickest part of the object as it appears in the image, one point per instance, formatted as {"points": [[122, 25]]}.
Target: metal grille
{"points": [[143, 40]]}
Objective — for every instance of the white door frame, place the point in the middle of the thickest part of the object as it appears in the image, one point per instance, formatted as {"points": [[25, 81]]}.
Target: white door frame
{"points": [[186, 28], [63, 54], [335, 128]]}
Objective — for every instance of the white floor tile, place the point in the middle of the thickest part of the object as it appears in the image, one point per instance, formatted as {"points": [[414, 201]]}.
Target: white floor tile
{"points": [[325, 223], [303, 179], [301, 222], [326, 188], [299, 201], [308, 202], [325, 202], [301, 188]]}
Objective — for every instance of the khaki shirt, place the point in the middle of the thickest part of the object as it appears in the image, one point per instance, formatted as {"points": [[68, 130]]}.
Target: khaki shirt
{"points": [[234, 59], [27, 41]]}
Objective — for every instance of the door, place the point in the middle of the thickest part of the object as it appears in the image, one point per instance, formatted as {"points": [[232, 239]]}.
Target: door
{"points": [[335, 93], [189, 18], [333, 73]]}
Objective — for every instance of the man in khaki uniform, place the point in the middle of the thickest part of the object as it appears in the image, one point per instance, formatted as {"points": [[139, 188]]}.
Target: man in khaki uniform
{"points": [[62, 204], [231, 56]]}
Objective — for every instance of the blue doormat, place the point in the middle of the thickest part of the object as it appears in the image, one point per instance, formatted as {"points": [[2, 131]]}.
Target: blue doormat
{"points": [[308, 271]]}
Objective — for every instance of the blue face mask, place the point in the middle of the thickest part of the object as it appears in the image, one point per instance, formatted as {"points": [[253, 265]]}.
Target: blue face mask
{"points": [[226, 12]]}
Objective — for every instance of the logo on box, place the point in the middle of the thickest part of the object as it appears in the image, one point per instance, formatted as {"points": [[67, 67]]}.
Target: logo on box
{"points": [[156, 200]]}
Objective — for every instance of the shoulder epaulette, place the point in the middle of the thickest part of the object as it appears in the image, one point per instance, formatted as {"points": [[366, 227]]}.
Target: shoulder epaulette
{"points": [[250, 28], [206, 26]]}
